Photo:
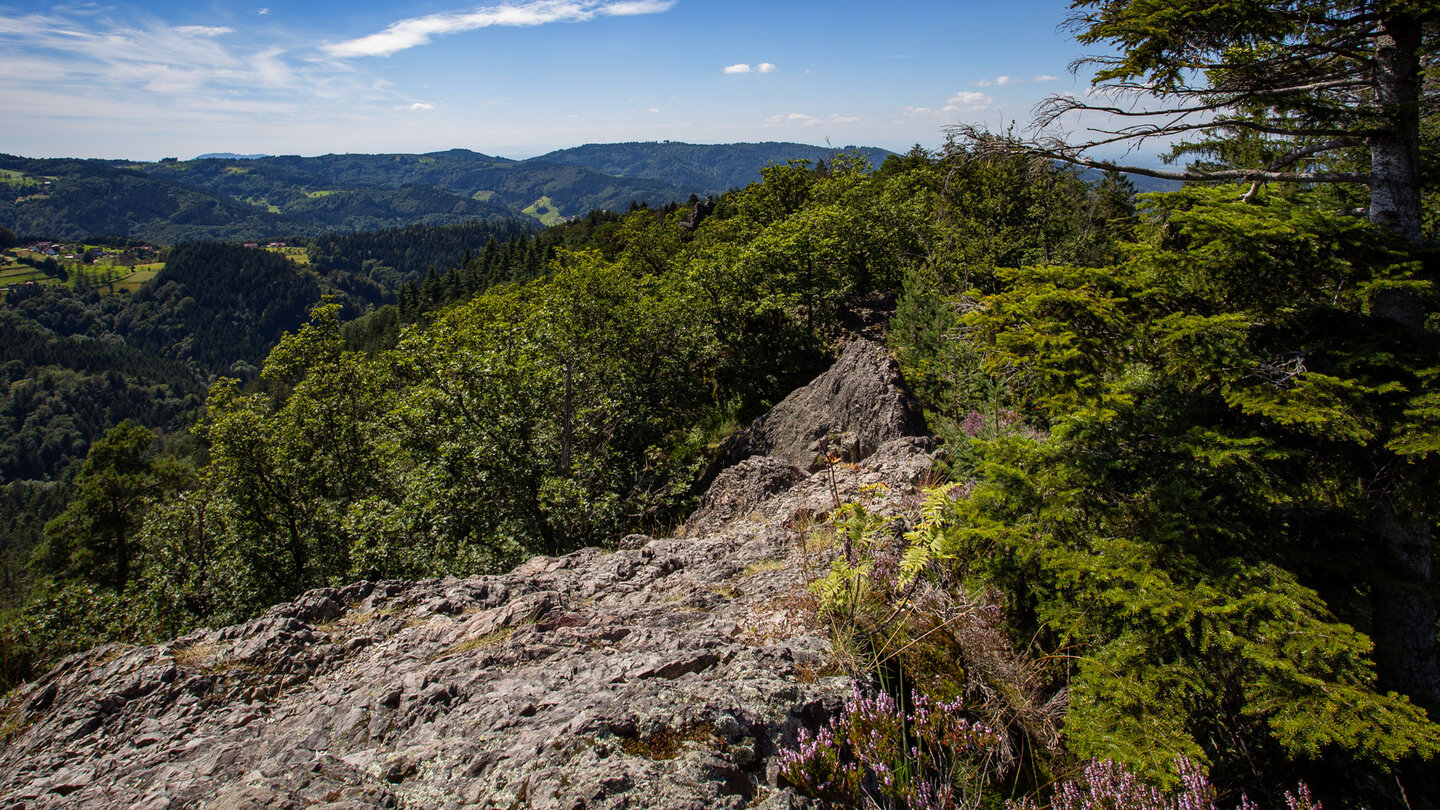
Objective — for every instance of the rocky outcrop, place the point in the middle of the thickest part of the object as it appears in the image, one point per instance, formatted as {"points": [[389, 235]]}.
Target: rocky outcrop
{"points": [[847, 412], [665, 674]]}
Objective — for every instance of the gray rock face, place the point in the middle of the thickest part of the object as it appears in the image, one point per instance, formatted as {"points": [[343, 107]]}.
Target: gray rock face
{"points": [[665, 674], [849, 411]]}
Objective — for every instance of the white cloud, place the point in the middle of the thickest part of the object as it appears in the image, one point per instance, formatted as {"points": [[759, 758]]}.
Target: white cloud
{"points": [[262, 12], [420, 105], [420, 30], [917, 110], [1000, 81], [805, 119], [167, 60], [654, 109], [631, 9], [744, 67], [968, 102], [1043, 77]]}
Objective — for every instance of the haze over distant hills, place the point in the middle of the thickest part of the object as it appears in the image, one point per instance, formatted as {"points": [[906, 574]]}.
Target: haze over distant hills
{"points": [[230, 196], [713, 168], [229, 156]]}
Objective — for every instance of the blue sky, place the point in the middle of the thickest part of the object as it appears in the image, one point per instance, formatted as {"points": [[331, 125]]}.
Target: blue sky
{"points": [[169, 78]]}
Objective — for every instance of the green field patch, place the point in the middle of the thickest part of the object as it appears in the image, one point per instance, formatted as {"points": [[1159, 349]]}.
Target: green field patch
{"points": [[133, 282], [260, 203], [17, 179], [543, 209], [236, 170], [315, 195], [296, 255], [19, 274], [482, 195]]}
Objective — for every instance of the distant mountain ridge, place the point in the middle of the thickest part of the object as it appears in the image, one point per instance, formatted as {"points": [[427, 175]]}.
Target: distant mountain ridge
{"points": [[229, 156], [713, 168], [229, 196]]}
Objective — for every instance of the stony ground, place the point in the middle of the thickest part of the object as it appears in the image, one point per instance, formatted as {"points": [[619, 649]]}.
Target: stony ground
{"points": [[664, 674]]}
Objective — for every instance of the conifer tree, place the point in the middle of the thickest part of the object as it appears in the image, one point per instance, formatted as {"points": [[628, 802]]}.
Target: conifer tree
{"points": [[1300, 81]]}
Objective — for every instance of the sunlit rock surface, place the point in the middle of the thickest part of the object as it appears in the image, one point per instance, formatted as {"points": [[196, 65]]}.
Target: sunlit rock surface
{"points": [[665, 674]]}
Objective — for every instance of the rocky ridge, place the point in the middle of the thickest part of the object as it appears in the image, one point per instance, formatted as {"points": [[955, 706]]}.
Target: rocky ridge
{"points": [[667, 673]]}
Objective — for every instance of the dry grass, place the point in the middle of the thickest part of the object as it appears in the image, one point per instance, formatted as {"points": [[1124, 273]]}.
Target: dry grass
{"points": [[725, 590], [810, 673], [194, 656], [12, 722], [819, 539], [760, 567], [480, 642]]}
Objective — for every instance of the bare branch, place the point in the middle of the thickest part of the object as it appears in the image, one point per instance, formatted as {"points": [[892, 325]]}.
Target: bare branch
{"points": [[987, 145]]}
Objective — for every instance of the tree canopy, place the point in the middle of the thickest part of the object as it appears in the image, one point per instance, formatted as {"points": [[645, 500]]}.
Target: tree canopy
{"points": [[1282, 91]]}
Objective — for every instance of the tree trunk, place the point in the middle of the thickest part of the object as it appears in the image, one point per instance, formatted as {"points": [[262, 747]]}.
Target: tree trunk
{"points": [[1402, 599], [1403, 604], [1395, 149]]}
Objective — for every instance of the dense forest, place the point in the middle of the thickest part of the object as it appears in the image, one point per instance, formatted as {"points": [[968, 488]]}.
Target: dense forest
{"points": [[79, 199], [283, 197], [1178, 551], [1161, 419], [703, 168], [79, 361]]}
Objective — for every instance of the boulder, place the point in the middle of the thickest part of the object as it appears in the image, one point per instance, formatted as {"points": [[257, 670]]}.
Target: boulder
{"points": [[667, 673], [845, 414]]}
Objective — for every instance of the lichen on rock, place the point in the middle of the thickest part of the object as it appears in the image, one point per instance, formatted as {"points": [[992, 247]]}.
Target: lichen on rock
{"points": [[667, 673]]}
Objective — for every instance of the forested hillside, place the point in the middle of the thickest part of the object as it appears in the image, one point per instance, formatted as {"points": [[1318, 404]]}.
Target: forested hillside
{"points": [[268, 197], [167, 203], [701, 168], [1153, 539], [79, 361], [1217, 599]]}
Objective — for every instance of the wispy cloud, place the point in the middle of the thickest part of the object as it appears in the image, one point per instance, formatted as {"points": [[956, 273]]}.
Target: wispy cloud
{"points": [[1043, 77], [418, 31], [419, 105], [967, 102], [744, 67], [999, 81], [159, 58], [808, 120]]}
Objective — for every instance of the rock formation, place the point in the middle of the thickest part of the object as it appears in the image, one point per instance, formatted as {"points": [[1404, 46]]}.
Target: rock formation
{"points": [[665, 674], [847, 412]]}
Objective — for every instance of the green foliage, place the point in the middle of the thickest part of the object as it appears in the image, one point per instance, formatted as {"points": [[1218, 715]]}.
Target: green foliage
{"points": [[1181, 516], [1173, 446], [93, 539]]}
